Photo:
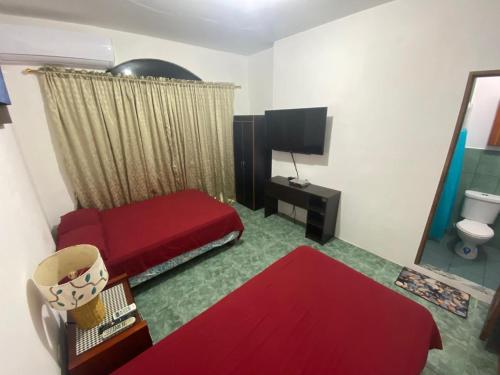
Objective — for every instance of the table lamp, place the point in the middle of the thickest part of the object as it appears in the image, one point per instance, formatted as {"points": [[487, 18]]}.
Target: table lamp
{"points": [[71, 279]]}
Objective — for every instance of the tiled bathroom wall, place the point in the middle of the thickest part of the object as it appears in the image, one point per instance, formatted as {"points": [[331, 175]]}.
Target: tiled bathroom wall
{"points": [[481, 172]]}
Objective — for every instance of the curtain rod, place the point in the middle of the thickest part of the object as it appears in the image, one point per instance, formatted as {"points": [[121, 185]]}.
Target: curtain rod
{"points": [[170, 80]]}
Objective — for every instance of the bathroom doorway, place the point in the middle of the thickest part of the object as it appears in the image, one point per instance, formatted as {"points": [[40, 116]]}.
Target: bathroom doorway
{"points": [[462, 235]]}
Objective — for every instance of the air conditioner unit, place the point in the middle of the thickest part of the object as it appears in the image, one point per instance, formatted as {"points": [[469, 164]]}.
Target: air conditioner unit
{"points": [[21, 44]]}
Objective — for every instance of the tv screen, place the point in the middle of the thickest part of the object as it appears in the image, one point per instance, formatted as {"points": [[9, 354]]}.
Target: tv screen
{"points": [[300, 130]]}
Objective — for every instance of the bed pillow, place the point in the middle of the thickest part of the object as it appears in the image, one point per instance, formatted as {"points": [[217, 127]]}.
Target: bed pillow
{"points": [[79, 218], [86, 235]]}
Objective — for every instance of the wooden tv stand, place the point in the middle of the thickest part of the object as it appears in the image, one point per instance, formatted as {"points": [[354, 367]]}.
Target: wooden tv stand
{"points": [[321, 204]]}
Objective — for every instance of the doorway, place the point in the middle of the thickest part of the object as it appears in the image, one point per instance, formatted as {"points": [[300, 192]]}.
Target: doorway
{"points": [[461, 237]]}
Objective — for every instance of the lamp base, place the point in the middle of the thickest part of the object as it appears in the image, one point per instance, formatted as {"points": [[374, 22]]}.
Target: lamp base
{"points": [[90, 314]]}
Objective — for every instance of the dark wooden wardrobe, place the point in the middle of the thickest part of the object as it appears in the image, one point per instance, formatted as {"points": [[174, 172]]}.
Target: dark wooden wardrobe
{"points": [[252, 160]]}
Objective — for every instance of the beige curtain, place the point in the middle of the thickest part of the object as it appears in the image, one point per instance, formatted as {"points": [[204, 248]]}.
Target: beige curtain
{"points": [[126, 139]]}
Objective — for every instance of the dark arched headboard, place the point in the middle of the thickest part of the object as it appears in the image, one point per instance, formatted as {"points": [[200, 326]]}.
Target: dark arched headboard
{"points": [[153, 68]]}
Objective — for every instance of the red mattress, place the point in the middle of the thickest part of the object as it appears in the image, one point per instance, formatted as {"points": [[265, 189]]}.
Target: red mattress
{"points": [[141, 235], [305, 314]]}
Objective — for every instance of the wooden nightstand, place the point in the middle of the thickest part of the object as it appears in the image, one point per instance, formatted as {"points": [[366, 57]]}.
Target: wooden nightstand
{"points": [[116, 351]]}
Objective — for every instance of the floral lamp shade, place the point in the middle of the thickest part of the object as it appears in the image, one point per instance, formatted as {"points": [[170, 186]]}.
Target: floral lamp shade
{"points": [[4, 95], [71, 279]]}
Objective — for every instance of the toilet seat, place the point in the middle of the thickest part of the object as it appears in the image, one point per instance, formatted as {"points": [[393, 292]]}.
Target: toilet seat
{"points": [[475, 229]]}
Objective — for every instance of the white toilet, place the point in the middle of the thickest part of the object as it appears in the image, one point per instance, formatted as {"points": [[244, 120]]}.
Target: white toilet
{"points": [[478, 210]]}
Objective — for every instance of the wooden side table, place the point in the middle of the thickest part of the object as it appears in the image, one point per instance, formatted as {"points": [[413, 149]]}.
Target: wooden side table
{"points": [[114, 352]]}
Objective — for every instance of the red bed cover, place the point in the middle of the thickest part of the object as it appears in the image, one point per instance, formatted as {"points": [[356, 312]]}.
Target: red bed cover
{"points": [[145, 234], [305, 314]]}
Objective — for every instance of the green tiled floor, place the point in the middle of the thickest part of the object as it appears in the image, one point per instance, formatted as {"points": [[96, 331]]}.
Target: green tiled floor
{"points": [[174, 298]]}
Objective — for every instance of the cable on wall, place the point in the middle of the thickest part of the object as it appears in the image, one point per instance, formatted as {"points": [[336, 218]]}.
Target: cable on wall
{"points": [[295, 165], [294, 212]]}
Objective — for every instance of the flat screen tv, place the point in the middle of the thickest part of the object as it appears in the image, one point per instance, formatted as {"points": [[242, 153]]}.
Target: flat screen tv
{"points": [[300, 130]]}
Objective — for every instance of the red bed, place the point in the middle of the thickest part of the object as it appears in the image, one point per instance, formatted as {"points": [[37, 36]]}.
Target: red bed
{"points": [[138, 236], [305, 314]]}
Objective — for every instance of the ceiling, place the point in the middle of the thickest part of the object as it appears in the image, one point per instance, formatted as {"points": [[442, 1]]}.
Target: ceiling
{"points": [[240, 26]]}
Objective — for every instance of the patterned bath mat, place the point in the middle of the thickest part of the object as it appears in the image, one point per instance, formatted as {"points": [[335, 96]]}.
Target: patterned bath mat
{"points": [[445, 296]]}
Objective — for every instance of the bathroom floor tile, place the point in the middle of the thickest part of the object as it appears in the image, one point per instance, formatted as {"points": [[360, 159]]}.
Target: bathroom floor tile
{"points": [[484, 270], [492, 254], [437, 262], [492, 281], [450, 240], [473, 270], [466, 272], [492, 275], [437, 255], [477, 263]]}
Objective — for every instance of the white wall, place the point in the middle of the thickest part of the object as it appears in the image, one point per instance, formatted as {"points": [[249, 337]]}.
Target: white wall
{"points": [[31, 129], [393, 78], [260, 81], [31, 126], [29, 330], [481, 112]]}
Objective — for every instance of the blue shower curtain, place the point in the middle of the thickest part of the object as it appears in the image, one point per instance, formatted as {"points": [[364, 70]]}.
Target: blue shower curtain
{"points": [[4, 95], [442, 216]]}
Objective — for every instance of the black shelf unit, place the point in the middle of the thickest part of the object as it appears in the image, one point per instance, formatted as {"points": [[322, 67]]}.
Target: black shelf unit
{"points": [[315, 219], [321, 204], [252, 160]]}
